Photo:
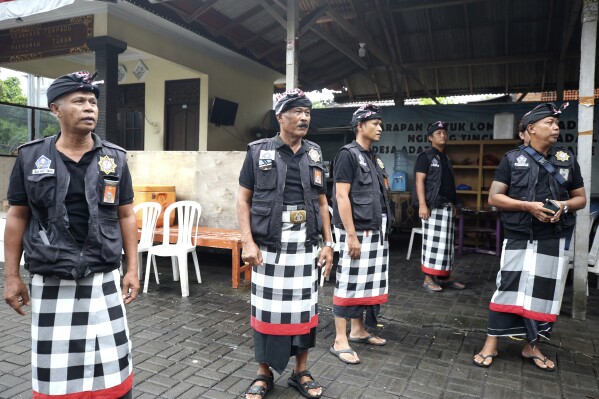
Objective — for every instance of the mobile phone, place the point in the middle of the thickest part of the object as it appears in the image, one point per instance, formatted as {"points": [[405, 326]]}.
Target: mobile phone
{"points": [[551, 205]]}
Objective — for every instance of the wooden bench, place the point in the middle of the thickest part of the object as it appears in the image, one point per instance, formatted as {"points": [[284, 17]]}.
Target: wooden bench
{"points": [[212, 237]]}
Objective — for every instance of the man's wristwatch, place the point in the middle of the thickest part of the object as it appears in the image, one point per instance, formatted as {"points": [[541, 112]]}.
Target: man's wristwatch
{"points": [[329, 244], [566, 208]]}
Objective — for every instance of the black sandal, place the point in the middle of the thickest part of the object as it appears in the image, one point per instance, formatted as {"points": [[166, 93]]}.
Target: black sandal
{"points": [[295, 381], [259, 389]]}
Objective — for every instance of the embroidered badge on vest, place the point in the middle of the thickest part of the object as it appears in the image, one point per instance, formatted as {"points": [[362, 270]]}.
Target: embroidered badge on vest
{"points": [[562, 156], [361, 160], [314, 155], [380, 163], [521, 161], [43, 166], [435, 163], [107, 164], [565, 173]]}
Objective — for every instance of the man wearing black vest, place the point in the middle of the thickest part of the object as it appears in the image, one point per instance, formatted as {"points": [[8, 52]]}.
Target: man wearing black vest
{"points": [[362, 213], [435, 198], [72, 214], [536, 187], [282, 208]]}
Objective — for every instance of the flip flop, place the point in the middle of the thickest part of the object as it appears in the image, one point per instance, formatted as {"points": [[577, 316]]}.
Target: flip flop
{"points": [[366, 340], [542, 360], [452, 284], [340, 351], [484, 357], [432, 287]]}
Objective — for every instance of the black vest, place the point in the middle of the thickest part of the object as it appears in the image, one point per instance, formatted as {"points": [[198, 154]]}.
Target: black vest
{"points": [[365, 191], [49, 247], [524, 177], [432, 182], [269, 184]]}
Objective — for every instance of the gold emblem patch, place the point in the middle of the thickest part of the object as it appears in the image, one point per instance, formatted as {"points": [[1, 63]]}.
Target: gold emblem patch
{"points": [[562, 156], [314, 155], [107, 164], [380, 163]]}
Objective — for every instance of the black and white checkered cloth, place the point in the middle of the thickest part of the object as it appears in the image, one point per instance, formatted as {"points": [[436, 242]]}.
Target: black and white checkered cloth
{"points": [[80, 339], [438, 242], [363, 281], [285, 293], [530, 278]]}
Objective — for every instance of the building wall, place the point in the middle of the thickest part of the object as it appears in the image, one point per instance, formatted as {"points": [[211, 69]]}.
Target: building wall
{"points": [[208, 177], [159, 71], [172, 57], [252, 91]]}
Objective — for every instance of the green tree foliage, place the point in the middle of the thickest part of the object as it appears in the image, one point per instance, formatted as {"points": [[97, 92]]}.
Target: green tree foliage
{"points": [[16, 121], [429, 101], [10, 91]]}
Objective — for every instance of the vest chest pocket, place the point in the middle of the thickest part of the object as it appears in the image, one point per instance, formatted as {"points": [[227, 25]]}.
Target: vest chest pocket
{"points": [[364, 175], [42, 189], [266, 179], [519, 177]]}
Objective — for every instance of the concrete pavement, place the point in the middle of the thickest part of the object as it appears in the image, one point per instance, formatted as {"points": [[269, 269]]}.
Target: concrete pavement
{"points": [[202, 347]]}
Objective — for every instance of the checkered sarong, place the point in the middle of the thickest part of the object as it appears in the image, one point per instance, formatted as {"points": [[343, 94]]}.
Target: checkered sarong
{"points": [[530, 278], [363, 281], [80, 340], [285, 293], [437, 242]]}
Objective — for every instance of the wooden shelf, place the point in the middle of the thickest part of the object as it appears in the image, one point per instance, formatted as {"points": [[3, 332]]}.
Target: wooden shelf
{"points": [[476, 175]]}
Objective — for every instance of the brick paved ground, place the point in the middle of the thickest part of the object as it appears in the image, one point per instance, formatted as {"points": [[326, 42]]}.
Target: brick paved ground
{"points": [[201, 346]]}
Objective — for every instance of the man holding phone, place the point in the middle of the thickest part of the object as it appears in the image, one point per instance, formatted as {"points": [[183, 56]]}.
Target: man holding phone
{"points": [[537, 187]]}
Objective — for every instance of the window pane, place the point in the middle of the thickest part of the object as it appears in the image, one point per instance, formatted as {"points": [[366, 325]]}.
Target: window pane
{"points": [[14, 128]]}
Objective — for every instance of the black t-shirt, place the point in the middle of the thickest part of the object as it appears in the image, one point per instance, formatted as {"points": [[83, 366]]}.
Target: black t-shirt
{"points": [[293, 193], [345, 168], [75, 200], [447, 189], [540, 230]]}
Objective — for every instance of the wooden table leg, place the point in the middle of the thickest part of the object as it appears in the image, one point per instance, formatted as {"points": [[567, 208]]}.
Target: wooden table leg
{"points": [[236, 259]]}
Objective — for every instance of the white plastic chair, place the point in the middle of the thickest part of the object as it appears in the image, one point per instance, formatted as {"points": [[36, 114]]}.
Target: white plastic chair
{"points": [[149, 216], [188, 216], [415, 230], [2, 228]]}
